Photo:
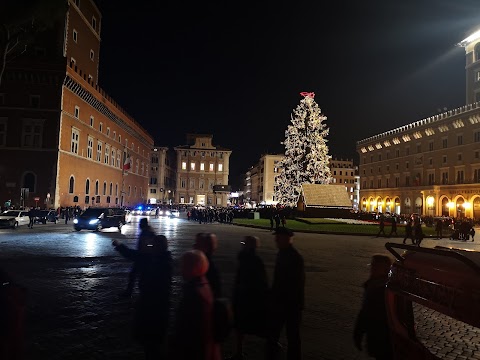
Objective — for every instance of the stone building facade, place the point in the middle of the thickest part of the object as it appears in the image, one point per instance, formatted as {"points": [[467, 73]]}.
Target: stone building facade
{"points": [[201, 166], [260, 180], [431, 166], [345, 172], [161, 187], [63, 140]]}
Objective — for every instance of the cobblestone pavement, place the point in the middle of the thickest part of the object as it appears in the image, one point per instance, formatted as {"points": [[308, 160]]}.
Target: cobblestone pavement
{"points": [[73, 279]]}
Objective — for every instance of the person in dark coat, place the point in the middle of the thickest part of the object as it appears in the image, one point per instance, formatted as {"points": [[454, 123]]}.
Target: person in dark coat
{"points": [[394, 227], [409, 232], [287, 297], [381, 227], [207, 243], [146, 236], [154, 267], [439, 228], [250, 291], [31, 218], [193, 337], [418, 232], [372, 319]]}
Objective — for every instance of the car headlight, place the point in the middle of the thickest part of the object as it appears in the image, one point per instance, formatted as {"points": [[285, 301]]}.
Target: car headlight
{"points": [[94, 221], [75, 221], [168, 213], [160, 212]]}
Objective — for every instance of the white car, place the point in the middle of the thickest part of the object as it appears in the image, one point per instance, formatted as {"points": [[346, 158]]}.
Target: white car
{"points": [[14, 218]]}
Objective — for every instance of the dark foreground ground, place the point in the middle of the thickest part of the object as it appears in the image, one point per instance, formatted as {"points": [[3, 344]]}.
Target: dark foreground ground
{"points": [[73, 280]]}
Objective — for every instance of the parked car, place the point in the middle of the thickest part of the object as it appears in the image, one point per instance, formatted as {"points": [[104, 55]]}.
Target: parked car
{"points": [[100, 218], [45, 216], [14, 218]]}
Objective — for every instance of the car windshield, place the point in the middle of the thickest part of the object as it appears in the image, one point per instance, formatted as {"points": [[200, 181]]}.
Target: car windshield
{"points": [[10, 213], [92, 213]]}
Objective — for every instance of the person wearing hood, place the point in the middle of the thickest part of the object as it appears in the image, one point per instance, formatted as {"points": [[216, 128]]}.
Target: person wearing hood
{"points": [[153, 264]]}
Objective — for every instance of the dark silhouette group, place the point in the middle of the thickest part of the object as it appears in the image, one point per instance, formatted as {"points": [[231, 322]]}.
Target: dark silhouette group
{"points": [[203, 317]]}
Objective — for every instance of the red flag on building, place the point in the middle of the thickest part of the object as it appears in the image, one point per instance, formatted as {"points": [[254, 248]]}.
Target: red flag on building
{"points": [[127, 164]]}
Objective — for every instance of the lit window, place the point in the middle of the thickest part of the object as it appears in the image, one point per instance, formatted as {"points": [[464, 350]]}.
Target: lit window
{"points": [[184, 165], [75, 139], [202, 166], [211, 167], [192, 166], [220, 167]]}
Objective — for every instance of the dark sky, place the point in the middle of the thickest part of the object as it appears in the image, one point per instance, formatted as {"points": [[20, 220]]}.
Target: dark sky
{"points": [[235, 68]]}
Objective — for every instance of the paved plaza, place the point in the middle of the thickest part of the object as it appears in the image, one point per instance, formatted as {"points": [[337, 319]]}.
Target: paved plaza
{"points": [[74, 278]]}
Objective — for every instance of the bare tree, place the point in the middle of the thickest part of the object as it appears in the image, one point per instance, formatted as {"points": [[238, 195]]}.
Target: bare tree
{"points": [[20, 20]]}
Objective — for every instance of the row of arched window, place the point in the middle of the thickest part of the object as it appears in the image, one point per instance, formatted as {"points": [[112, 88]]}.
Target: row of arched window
{"points": [[107, 190]]}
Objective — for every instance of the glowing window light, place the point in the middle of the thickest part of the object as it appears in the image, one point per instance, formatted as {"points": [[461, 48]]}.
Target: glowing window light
{"points": [[363, 150], [458, 124], [371, 148], [429, 132], [387, 143], [396, 141], [417, 135], [475, 119], [406, 138], [443, 128], [378, 145]]}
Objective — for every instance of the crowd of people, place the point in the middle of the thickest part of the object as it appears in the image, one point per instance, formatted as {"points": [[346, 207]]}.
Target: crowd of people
{"points": [[211, 214], [204, 315]]}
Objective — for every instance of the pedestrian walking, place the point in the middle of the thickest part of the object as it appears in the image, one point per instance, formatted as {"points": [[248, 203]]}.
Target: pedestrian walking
{"points": [[207, 243], [439, 228], [277, 220], [193, 336], [418, 232], [287, 297], [394, 227], [409, 232], [31, 218], [153, 263], [67, 215], [381, 227], [250, 291], [472, 233], [372, 319], [146, 237]]}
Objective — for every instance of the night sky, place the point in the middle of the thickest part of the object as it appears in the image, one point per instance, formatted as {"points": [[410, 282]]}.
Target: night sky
{"points": [[235, 68]]}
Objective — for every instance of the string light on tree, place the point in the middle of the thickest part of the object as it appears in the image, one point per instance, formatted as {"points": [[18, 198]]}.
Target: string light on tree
{"points": [[306, 158]]}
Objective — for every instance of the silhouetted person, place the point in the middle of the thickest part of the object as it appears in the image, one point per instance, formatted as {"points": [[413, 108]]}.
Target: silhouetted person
{"points": [[394, 227], [153, 263], [250, 291], [287, 297], [193, 337], [277, 219], [409, 233], [270, 217], [207, 243], [31, 218], [372, 319], [146, 235], [418, 232], [381, 227], [472, 233], [12, 318], [439, 228], [67, 215]]}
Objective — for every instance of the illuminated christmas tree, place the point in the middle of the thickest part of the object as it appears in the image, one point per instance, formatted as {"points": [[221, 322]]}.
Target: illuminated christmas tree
{"points": [[306, 158]]}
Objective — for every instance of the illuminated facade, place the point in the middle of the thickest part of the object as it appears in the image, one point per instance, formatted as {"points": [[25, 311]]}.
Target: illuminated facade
{"points": [[161, 186], [260, 180], [431, 166], [201, 166], [345, 172]]}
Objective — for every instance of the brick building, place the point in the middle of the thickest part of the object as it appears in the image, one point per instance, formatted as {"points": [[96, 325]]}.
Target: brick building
{"points": [[430, 166], [63, 140], [201, 166]]}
